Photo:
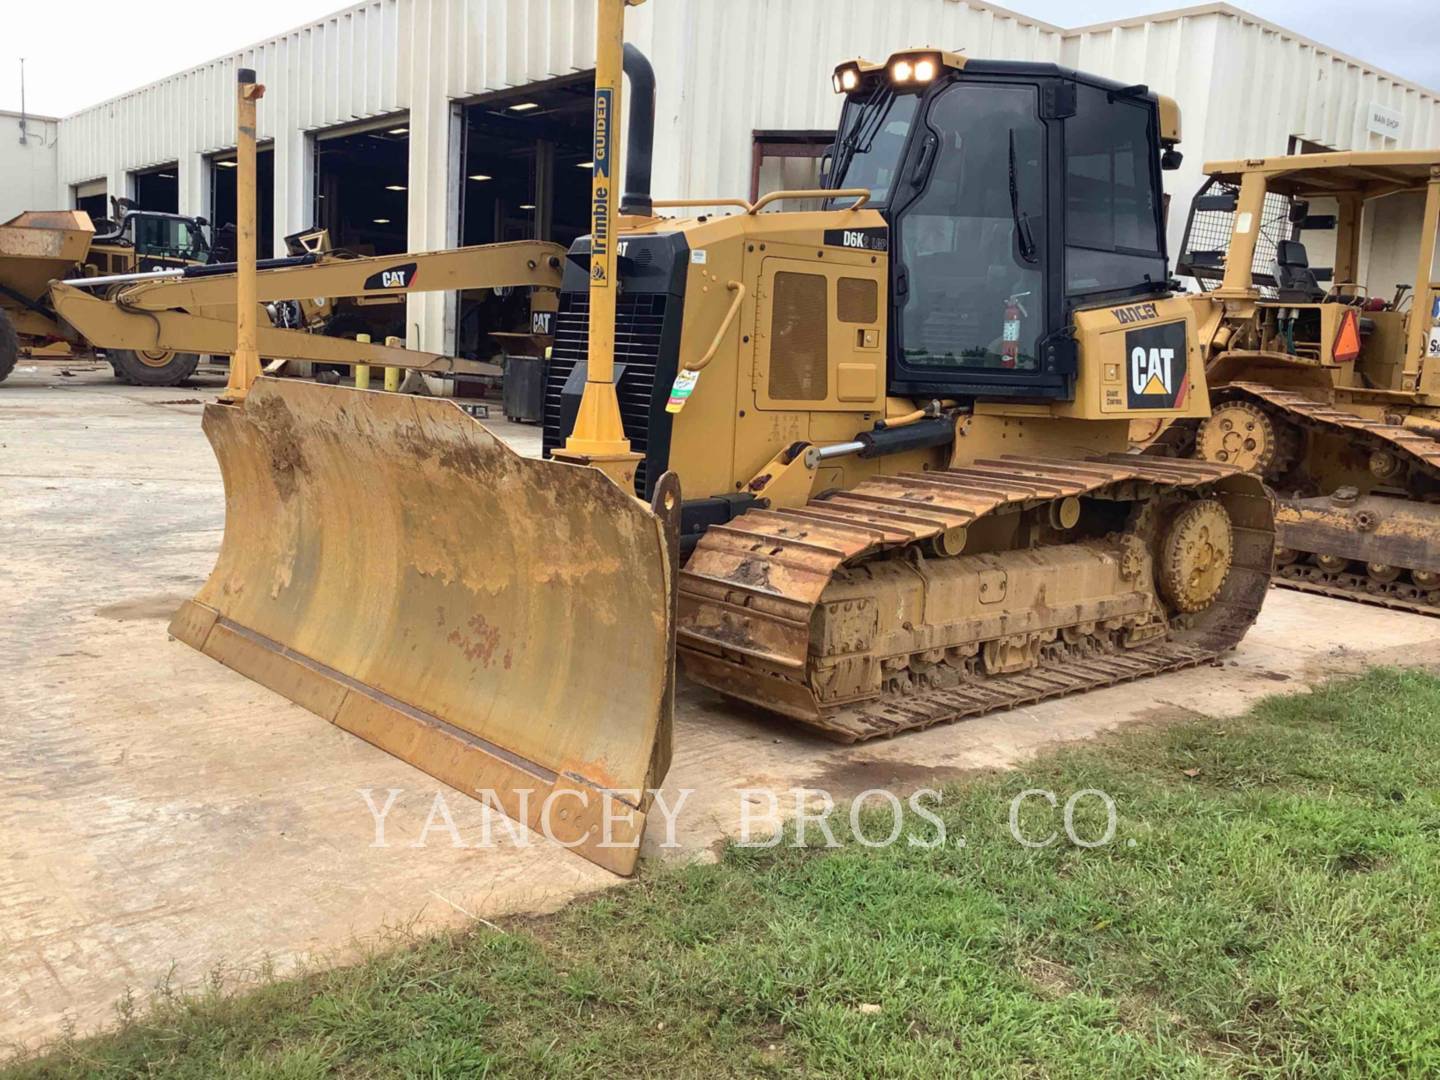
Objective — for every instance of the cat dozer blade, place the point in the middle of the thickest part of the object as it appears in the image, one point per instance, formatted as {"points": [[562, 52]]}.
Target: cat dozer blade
{"points": [[504, 624]]}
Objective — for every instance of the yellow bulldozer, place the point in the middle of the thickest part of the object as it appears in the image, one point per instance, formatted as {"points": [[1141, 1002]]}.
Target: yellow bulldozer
{"points": [[901, 426], [1325, 381]]}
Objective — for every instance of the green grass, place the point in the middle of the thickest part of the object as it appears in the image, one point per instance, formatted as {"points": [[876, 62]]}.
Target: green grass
{"points": [[1276, 914]]}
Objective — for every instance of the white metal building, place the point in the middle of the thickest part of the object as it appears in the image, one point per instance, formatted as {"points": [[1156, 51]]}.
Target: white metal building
{"points": [[29, 163], [726, 70]]}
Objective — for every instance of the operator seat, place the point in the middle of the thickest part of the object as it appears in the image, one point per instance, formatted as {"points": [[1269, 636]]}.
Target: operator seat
{"points": [[1295, 282]]}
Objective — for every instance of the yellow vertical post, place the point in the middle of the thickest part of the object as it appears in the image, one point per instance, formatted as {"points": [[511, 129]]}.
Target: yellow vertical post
{"points": [[1424, 275], [362, 371], [599, 437], [1249, 211], [1347, 240], [245, 361], [392, 374]]}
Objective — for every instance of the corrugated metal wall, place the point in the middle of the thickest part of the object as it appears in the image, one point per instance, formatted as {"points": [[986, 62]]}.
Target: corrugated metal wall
{"points": [[1246, 86], [725, 68]]}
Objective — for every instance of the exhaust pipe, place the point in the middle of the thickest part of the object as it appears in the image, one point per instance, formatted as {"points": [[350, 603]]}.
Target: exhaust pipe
{"points": [[639, 152]]}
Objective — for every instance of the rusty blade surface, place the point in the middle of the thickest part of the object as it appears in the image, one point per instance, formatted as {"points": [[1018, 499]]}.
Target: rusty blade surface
{"points": [[502, 623]]}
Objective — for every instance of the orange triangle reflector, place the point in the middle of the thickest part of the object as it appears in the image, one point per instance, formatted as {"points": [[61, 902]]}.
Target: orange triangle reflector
{"points": [[1347, 341]]}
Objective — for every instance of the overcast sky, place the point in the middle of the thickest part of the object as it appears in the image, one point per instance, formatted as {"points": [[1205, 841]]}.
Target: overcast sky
{"points": [[79, 52]]}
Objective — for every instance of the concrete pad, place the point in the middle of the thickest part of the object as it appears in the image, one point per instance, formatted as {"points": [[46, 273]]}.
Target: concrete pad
{"points": [[163, 816]]}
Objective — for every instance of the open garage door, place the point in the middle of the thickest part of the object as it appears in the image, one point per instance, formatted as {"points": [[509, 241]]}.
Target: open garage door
{"points": [[157, 189], [526, 162], [91, 197], [362, 180], [222, 202]]}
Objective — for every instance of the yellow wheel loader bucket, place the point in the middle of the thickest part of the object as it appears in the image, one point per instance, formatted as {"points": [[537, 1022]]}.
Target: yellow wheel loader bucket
{"points": [[504, 624]]}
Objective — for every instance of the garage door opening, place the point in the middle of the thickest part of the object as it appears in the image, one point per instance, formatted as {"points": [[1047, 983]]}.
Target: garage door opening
{"points": [[91, 197], [157, 189], [223, 203], [361, 182], [526, 160]]}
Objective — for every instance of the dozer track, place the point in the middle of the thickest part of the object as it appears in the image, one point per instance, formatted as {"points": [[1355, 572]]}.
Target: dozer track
{"points": [[786, 608], [1333, 545]]}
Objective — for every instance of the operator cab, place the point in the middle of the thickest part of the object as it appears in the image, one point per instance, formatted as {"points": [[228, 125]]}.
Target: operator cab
{"points": [[1015, 193], [159, 240]]}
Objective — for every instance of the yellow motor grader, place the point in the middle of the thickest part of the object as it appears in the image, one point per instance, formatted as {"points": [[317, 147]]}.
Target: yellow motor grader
{"points": [[302, 295], [1325, 381], [901, 426]]}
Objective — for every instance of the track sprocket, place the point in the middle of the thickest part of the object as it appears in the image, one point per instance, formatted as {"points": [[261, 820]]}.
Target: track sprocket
{"points": [[1244, 435], [1196, 555]]}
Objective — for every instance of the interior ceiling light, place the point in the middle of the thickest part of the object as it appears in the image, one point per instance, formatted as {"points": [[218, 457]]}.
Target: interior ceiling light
{"points": [[398, 131], [525, 106], [527, 206], [228, 164], [480, 178], [381, 220], [394, 187], [585, 165], [166, 175]]}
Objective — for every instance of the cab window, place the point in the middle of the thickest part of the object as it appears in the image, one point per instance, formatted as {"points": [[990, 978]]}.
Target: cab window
{"points": [[1113, 202], [871, 142]]}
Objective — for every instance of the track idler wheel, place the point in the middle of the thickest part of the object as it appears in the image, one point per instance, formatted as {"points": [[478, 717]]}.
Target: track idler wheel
{"points": [[1195, 556], [1244, 435]]}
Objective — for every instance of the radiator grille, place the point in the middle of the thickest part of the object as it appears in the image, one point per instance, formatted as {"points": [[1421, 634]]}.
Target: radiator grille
{"points": [[639, 319], [798, 332]]}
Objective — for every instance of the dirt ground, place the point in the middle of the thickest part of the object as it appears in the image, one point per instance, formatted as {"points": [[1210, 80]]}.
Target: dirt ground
{"points": [[164, 818]]}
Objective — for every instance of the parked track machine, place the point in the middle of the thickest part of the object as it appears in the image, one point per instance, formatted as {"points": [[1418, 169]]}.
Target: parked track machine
{"points": [[901, 424], [1328, 392]]}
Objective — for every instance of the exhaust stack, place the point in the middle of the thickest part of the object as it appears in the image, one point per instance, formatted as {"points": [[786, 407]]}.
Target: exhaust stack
{"points": [[640, 142]]}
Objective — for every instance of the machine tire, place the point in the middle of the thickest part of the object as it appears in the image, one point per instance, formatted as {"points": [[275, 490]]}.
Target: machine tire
{"points": [[9, 346], [167, 369]]}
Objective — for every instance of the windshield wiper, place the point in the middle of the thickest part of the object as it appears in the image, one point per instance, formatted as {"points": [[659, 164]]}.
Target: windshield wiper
{"points": [[863, 131], [1022, 220]]}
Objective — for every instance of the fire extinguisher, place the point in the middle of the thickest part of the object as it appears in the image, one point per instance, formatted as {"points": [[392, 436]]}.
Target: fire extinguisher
{"points": [[1010, 335]]}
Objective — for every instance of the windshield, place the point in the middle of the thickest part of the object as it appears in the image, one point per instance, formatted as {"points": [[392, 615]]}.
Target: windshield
{"points": [[872, 138], [176, 238], [972, 243]]}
